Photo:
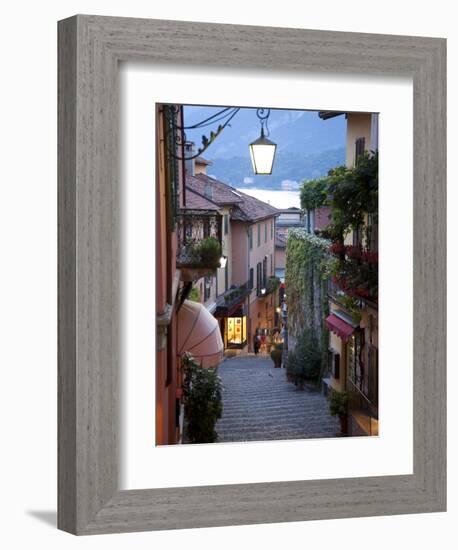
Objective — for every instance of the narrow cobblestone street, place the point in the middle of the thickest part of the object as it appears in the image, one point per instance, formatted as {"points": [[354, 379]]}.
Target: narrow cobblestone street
{"points": [[259, 404]]}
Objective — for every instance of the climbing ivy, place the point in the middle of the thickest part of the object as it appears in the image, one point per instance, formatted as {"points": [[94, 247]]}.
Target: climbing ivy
{"points": [[314, 193], [307, 258], [354, 193]]}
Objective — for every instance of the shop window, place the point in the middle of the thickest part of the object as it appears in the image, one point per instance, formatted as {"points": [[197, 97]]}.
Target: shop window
{"points": [[236, 331]]}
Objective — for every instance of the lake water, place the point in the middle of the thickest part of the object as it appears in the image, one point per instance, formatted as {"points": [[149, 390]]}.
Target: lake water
{"points": [[278, 199]]}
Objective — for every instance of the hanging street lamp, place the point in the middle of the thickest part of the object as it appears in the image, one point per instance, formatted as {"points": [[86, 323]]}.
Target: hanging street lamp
{"points": [[222, 262], [262, 150]]}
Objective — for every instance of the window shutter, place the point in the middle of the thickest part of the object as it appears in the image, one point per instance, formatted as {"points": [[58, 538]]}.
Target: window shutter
{"points": [[360, 145]]}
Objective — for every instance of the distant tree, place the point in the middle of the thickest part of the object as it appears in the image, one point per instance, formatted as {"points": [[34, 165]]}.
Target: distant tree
{"points": [[314, 193], [354, 193]]}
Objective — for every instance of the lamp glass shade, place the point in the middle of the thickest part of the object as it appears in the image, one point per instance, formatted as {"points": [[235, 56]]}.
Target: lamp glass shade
{"points": [[222, 262], [262, 153]]}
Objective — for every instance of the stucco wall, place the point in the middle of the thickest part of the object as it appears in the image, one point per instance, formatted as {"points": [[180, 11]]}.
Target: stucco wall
{"points": [[266, 248], [358, 126], [280, 257], [239, 252], [260, 315], [322, 217], [166, 432], [227, 251]]}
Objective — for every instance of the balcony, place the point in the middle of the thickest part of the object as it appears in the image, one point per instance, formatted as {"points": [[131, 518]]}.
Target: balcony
{"points": [[231, 300], [356, 273], [199, 247], [350, 305], [271, 285]]}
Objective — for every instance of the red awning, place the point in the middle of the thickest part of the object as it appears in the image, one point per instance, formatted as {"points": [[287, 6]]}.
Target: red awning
{"points": [[340, 327]]}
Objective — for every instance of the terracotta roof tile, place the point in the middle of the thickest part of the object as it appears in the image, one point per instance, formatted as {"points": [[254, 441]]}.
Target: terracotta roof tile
{"points": [[201, 160], [222, 194], [245, 207], [196, 201]]}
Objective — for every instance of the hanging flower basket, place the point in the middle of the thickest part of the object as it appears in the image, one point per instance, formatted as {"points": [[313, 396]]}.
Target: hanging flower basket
{"points": [[353, 252], [370, 257], [337, 248]]}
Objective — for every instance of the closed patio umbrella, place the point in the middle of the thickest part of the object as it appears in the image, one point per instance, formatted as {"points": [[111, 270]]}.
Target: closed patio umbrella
{"points": [[199, 334]]}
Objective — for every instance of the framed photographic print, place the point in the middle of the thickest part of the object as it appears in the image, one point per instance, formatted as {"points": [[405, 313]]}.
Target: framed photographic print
{"points": [[251, 275]]}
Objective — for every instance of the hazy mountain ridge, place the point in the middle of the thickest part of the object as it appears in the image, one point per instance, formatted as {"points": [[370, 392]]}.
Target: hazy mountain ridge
{"points": [[307, 146], [288, 167]]}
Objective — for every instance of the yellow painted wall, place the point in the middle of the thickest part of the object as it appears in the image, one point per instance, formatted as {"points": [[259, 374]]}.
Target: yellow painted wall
{"points": [[358, 126], [260, 315]]}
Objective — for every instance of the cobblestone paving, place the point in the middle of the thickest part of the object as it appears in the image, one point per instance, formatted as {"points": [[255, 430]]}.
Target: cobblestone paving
{"points": [[259, 404]]}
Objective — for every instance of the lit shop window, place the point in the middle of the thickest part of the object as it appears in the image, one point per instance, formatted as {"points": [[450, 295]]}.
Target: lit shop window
{"points": [[236, 331]]}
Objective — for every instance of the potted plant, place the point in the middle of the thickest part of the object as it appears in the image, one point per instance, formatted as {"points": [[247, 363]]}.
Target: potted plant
{"points": [[202, 398], [209, 250], [276, 355], [338, 406]]}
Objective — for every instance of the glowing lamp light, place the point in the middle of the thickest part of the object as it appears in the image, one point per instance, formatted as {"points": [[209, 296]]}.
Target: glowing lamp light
{"points": [[262, 152], [223, 262], [263, 291]]}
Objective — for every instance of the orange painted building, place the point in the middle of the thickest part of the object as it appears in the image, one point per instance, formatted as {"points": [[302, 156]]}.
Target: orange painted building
{"points": [[181, 326], [244, 292], [169, 177]]}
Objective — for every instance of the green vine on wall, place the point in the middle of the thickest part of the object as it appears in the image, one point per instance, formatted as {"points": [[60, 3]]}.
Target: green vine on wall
{"points": [[307, 257], [351, 193]]}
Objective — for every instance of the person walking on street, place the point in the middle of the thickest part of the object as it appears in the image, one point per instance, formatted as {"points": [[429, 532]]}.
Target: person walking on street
{"points": [[256, 343]]}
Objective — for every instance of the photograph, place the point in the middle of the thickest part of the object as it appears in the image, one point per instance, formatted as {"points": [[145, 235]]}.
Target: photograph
{"points": [[266, 274]]}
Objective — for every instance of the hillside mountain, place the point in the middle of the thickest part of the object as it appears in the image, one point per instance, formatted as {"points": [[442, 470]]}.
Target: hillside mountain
{"points": [[307, 146], [290, 168]]}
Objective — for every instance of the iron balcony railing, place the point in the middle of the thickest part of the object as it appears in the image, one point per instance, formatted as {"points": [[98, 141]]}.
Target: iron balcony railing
{"points": [[272, 285], [198, 239], [226, 302]]}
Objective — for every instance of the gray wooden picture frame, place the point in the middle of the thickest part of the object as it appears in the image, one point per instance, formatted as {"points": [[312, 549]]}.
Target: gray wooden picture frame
{"points": [[90, 48]]}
